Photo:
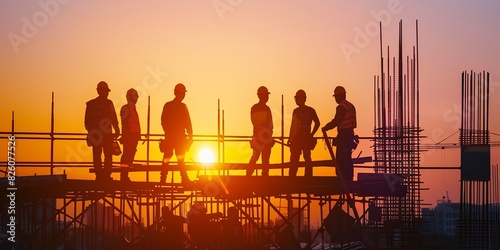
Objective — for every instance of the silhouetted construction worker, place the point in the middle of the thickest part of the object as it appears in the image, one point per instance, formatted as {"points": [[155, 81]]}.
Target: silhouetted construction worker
{"points": [[262, 138], [131, 132], [232, 230], [100, 116], [176, 124], [301, 138], [173, 228], [345, 121], [203, 230]]}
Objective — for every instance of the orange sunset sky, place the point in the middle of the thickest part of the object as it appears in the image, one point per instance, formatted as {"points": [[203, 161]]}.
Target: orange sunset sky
{"points": [[224, 50]]}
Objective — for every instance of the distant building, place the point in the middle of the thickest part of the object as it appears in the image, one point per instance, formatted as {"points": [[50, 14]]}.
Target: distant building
{"points": [[446, 218], [443, 219], [427, 226]]}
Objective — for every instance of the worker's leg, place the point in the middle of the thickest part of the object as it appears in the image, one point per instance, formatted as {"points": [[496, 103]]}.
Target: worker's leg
{"points": [[266, 154], [294, 160], [167, 155], [129, 149], [344, 159], [308, 169], [107, 146], [180, 153], [96, 156], [253, 161]]}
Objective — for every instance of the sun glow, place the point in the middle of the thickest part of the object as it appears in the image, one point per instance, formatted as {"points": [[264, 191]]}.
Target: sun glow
{"points": [[206, 155]]}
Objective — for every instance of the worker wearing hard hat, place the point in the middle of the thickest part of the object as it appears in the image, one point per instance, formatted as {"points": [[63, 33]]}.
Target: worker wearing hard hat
{"points": [[176, 124], [172, 228], [202, 228], [100, 118], [345, 121], [301, 140], [131, 132], [262, 138]]}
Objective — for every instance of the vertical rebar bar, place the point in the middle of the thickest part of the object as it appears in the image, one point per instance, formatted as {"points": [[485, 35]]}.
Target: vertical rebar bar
{"points": [[147, 136], [282, 134], [218, 132], [52, 136]]}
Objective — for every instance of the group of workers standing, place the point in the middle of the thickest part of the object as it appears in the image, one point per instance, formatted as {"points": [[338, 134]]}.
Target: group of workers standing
{"points": [[101, 120]]}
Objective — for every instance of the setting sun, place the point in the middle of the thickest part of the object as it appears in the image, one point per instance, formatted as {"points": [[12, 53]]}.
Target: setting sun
{"points": [[206, 155]]}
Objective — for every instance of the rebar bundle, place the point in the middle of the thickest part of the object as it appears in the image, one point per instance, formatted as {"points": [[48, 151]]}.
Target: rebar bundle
{"points": [[397, 144], [476, 225]]}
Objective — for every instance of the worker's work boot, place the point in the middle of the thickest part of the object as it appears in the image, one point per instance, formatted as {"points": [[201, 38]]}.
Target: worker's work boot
{"points": [[308, 172], [124, 177], [265, 172], [186, 182], [249, 172], [163, 177]]}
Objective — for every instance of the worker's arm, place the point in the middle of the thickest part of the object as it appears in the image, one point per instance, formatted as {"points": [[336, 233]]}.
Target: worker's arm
{"points": [[315, 119], [253, 115], [86, 120], [124, 115], [339, 116], [114, 120], [164, 117], [293, 128], [188, 127]]}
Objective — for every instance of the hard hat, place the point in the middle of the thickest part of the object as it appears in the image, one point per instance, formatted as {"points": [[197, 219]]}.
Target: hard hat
{"points": [[180, 88], [132, 92], [262, 90], [165, 209], [300, 93], [338, 90], [103, 85]]}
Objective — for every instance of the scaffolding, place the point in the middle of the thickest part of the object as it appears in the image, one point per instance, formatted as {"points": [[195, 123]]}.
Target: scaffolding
{"points": [[55, 212]]}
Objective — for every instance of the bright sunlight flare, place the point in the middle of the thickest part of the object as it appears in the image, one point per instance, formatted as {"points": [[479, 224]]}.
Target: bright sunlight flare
{"points": [[206, 155]]}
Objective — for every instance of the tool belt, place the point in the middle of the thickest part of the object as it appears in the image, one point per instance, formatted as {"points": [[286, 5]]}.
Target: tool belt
{"points": [[351, 143]]}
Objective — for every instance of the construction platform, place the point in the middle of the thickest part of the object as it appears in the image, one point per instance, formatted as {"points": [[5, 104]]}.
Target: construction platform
{"points": [[216, 186]]}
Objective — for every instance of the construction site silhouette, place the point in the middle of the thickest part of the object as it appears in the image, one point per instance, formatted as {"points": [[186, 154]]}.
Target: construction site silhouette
{"points": [[230, 205]]}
